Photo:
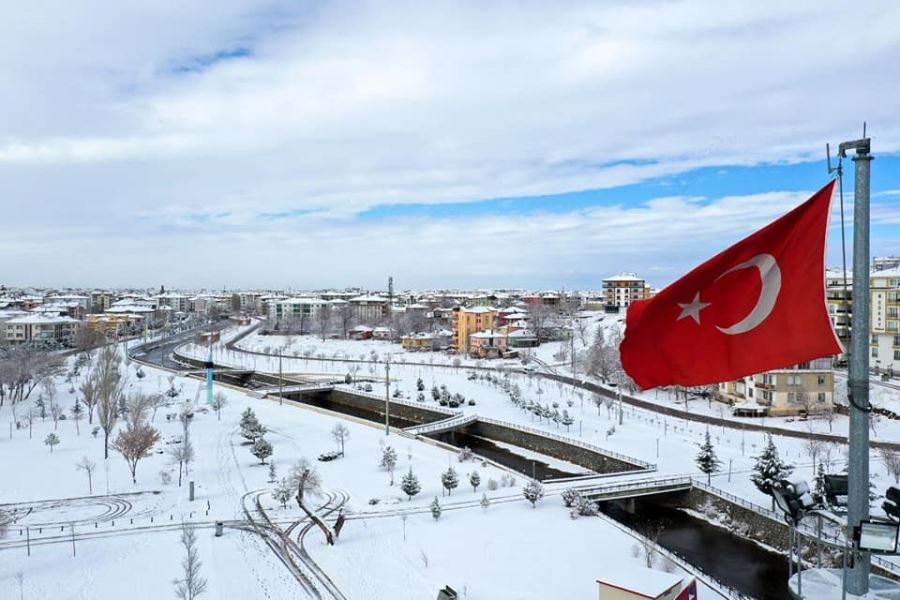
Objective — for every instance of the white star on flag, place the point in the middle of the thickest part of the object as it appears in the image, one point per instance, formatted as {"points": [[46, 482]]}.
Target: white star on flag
{"points": [[692, 309]]}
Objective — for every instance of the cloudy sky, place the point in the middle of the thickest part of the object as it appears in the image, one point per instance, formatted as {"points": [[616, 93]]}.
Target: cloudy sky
{"points": [[258, 143]]}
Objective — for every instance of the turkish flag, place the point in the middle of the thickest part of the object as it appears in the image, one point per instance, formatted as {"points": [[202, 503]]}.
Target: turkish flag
{"points": [[757, 306]]}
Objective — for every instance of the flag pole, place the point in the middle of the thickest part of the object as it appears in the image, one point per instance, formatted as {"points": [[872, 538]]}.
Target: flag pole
{"points": [[858, 472]]}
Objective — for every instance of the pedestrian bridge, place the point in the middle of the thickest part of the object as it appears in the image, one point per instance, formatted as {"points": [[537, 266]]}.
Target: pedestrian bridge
{"points": [[636, 488], [296, 388], [455, 421]]}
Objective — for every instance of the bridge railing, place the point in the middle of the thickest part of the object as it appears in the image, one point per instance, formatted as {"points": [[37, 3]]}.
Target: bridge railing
{"points": [[573, 442], [639, 484], [457, 420]]}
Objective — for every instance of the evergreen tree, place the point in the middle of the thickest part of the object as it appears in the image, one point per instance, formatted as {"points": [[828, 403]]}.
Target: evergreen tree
{"points": [[567, 419], [420, 385], [449, 480], [769, 469], [819, 489], [706, 460], [51, 440], [389, 461], [410, 484], [273, 473], [251, 429], [474, 480], [485, 501], [569, 497], [435, 393], [533, 491], [261, 449], [283, 492], [436, 509]]}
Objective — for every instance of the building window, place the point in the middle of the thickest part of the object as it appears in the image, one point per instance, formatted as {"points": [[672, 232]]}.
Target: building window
{"points": [[821, 380], [794, 380], [875, 353], [792, 398], [821, 397]]}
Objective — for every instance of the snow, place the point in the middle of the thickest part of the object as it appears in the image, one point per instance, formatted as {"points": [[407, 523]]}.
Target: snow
{"points": [[123, 528], [648, 582]]}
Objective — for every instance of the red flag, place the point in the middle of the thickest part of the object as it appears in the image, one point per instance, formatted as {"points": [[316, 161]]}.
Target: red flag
{"points": [[757, 306]]}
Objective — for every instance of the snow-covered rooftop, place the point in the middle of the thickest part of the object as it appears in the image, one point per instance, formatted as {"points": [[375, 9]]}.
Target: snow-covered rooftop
{"points": [[624, 277], [640, 580]]}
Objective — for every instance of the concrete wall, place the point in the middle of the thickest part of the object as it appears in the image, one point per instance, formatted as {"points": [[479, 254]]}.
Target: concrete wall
{"points": [[599, 463], [374, 405]]}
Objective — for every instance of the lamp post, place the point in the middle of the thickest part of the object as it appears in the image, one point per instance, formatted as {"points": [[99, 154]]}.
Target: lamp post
{"points": [[387, 395]]}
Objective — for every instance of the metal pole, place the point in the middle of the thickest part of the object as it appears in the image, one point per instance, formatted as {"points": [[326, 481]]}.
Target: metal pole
{"points": [[280, 382], [619, 390], [387, 397], [858, 497]]}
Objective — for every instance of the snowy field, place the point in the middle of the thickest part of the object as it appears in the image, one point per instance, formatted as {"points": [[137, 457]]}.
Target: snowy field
{"points": [[669, 442], [126, 533]]}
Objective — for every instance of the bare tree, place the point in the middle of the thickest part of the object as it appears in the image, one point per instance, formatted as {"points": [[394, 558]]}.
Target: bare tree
{"points": [[891, 460], [306, 481], [109, 385], [88, 389], [650, 544], [183, 454], [134, 443], [344, 315], [86, 340], [88, 466], [192, 585], [323, 320], [813, 448], [220, 401], [49, 392], [340, 433]]}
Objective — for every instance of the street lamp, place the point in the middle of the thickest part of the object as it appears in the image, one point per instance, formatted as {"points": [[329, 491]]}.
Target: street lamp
{"points": [[387, 395]]}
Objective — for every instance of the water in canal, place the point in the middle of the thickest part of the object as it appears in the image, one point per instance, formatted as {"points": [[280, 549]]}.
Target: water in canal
{"points": [[479, 445], [734, 561]]}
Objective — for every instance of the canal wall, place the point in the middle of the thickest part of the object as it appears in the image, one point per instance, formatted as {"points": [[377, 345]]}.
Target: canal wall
{"points": [[375, 404], [567, 449]]}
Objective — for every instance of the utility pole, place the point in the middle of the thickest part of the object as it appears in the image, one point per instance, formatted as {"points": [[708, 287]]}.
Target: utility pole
{"points": [[857, 576], [280, 382], [387, 396]]}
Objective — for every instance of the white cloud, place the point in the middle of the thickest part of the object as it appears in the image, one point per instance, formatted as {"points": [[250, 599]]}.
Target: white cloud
{"points": [[352, 105]]}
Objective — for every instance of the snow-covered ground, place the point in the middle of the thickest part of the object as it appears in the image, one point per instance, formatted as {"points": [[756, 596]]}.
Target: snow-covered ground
{"points": [[640, 434], [127, 533]]}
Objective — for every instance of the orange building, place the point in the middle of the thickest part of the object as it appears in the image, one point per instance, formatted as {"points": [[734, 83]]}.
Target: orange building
{"points": [[467, 321]]}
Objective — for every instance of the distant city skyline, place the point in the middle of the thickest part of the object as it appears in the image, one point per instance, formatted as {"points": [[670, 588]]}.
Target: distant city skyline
{"points": [[451, 145]]}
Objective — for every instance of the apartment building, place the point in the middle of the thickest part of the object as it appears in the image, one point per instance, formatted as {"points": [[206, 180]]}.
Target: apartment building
{"points": [[467, 321], [840, 306], [885, 322], [39, 328], [807, 388], [619, 291]]}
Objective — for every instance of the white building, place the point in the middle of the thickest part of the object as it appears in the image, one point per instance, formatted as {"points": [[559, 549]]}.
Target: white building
{"points": [[885, 321], [39, 328], [620, 290]]}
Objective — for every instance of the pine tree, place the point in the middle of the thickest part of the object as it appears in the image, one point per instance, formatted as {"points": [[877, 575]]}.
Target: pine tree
{"points": [[449, 480], [435, 393], [420, 385], [533, 491], [389, 461], [51, 440], [261, 449], [485, 501], [251, 429], [769, 469], [819, 489], [283, 492], [410, 484], [474, 480], [567, 419], [436, 509], [706, 460], [273, 473]]}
